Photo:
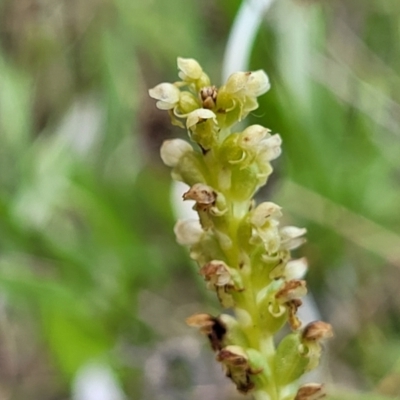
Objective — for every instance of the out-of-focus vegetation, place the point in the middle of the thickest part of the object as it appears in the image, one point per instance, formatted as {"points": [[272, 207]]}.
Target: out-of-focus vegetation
{"points": [[89, 270]]}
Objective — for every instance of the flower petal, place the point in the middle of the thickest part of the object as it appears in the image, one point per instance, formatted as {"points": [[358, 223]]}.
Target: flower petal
{"points": [[264, 212], [310, 391], [257, 83], [188, 232], [296, 269], [291, 290], [172, 151], [237, 82], [252, 136], [292, 232], [167, 94], [198, 115], [190, 68]]}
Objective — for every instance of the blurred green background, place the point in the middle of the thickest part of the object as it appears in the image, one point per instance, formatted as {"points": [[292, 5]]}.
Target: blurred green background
{"points": [[93, 288]]}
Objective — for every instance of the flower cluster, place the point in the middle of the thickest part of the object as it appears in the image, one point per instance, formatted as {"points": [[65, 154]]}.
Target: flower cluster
{"points": [[242, 252]]}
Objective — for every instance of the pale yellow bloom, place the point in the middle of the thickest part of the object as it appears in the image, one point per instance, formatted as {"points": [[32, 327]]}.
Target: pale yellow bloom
{"points": [[172, 151], [167, 95]]}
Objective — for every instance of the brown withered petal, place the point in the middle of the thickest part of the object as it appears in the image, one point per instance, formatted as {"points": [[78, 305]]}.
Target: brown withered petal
{"points": [[310, 391], [237, 366], [218, 277], [210, 326], [233, 356], [296, 303], [202, 321], [216, 272], [317, 330], [242, 381], [291, 290], [293, 306], [201, 194]]}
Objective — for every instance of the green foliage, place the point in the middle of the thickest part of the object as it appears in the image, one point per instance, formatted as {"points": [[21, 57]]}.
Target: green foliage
{"points": [[84, 217]]}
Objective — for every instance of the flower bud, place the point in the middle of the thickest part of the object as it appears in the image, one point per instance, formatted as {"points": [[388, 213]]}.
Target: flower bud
{"points": [[190, 69], [172, 151], [167, 95], [188, 232], [239, 96], [187, 103], [251, 84]]}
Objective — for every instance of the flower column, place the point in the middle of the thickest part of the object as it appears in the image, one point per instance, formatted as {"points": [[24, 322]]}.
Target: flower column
{"points": [[242, 253]]}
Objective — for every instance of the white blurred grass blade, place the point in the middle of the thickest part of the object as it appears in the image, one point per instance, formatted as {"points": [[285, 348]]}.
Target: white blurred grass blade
{"points": [[243, 33], [96, 382]]}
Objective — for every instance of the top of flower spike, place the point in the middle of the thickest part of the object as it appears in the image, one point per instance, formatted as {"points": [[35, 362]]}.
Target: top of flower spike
{"points": [[230, 103]]}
